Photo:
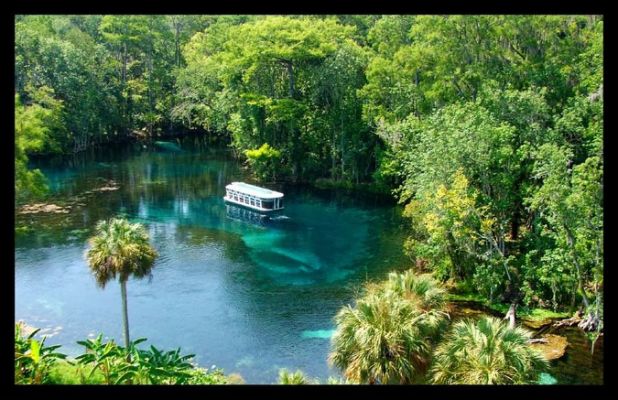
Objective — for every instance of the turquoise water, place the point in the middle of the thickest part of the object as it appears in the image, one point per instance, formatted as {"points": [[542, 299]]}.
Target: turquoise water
{"points": [[245, 294]]}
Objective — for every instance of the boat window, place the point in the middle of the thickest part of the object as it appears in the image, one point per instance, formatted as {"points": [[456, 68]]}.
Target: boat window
{"points": [[267, 204]]}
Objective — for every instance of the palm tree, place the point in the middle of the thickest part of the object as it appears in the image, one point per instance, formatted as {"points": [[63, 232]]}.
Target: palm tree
{"points": [[422, 292], [120, 249], [487, 351], [387, 336], [292, 378]]}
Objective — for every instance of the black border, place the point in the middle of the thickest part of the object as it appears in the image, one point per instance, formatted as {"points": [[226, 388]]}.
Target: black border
{"points": [[260, 7]]}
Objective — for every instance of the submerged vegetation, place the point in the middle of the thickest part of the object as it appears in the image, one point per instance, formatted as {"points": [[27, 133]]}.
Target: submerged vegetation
{"points": [[488, 130]]}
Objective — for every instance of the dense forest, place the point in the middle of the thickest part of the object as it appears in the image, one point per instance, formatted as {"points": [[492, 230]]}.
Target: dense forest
{"points": [[487, 129]]}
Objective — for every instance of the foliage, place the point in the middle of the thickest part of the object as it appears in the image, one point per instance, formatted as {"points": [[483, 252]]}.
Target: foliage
{"points": [[264, 160], [107, 363], [292, 378], [120, 365], [498, 151], [33, 359], [33, 123], [71, 373], [487, 352], [286, 81], [121, 249], [387, 337], [114, 74]]}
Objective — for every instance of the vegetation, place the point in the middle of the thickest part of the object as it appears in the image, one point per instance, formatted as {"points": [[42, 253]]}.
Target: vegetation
{"points": [[487, 352], [264, 161], [292, 378], [107, 363], [33, 359], [487, 129], [499, 156], [33, 124], [394, 332], [387, 337], [120, 249]]}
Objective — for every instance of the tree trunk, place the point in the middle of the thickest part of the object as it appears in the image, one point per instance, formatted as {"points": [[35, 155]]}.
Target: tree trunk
{"points": [[510, 315], [125, 313], [333, 154], [515, 222], [291, 73]]}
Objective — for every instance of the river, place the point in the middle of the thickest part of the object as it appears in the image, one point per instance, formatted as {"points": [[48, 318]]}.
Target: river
{"points": [[246, 295]]}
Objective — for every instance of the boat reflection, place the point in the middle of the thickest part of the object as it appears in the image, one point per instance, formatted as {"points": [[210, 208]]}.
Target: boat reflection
{"points": [[243, 214]]}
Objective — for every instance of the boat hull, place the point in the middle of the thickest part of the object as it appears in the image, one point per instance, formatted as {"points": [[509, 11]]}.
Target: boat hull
{"points": [[250, 207]]}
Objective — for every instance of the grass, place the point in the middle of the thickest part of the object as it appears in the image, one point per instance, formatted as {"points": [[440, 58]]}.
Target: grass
{"points": [[465, 297]]}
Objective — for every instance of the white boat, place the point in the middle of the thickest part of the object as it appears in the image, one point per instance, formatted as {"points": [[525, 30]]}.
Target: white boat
{"points": [[253, 197]]}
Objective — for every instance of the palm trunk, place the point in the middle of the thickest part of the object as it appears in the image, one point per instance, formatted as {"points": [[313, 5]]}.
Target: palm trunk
{"points": [[125, 314], [510, 315]]}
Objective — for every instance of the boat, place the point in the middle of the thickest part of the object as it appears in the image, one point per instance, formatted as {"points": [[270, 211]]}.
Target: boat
{"points": [[253, 197]]}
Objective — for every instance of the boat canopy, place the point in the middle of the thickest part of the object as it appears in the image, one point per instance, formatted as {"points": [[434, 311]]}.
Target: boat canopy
{"points": [[252, 190]]}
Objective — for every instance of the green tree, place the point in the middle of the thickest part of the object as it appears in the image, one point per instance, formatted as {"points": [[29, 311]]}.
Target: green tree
{"points": [[286, 81], [292, 378], [571, 200], [486, 352], [264, 160], [387, 337], [120, 249], [33, 123]]}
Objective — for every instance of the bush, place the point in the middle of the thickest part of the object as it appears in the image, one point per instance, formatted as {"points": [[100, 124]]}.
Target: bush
{"points": [[33, 359], [264, 160]]}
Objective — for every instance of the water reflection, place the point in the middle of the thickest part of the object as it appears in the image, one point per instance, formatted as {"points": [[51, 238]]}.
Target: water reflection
{"points": [[242, 214]]}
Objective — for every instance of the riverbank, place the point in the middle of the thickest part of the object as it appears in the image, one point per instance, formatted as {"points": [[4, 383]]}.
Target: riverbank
{"points": [[534, 318], [572, 358]]}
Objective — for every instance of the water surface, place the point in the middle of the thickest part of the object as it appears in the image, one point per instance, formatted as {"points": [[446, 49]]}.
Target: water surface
{"points": [[248, 295]]}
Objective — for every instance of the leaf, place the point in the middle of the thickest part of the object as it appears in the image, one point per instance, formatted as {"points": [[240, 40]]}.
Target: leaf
{"points": [[35, 351]]}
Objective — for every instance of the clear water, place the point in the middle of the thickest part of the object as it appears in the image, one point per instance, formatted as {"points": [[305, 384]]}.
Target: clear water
{"points": [[247, 295]]}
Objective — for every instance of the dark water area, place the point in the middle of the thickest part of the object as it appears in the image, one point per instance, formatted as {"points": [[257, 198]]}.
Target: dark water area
{"points": [[243, 294]]}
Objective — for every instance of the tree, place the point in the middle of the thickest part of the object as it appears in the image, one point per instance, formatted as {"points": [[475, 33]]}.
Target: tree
{"points": [[486, 352], [387, 337], [120, 249], [287, 81], [571, 200], [292, 378], [33, 123], [264, 160]]}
